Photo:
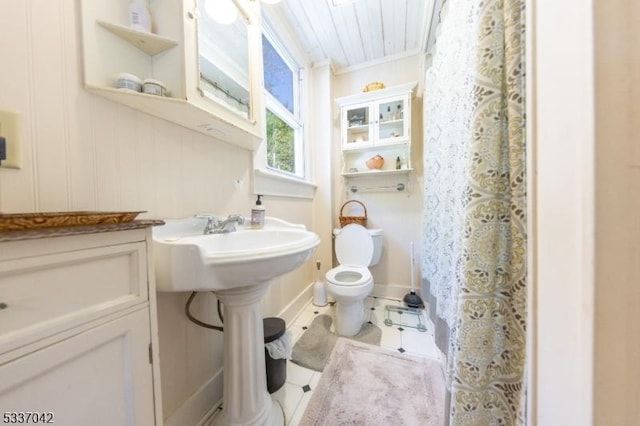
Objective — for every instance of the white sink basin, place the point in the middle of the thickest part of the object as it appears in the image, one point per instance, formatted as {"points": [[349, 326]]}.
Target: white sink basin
{"points": [[188, 260]]}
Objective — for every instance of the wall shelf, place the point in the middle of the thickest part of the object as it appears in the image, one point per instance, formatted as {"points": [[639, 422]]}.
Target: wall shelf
{"points": [[149, 43], [179, 111], [360, 147]]}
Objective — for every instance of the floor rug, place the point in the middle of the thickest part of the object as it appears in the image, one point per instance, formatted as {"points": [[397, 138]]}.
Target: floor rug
{"points": [[313, 348], [367, 385]]}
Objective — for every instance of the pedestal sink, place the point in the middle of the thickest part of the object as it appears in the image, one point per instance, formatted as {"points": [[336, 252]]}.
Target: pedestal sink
{"points": [[237, 267]]}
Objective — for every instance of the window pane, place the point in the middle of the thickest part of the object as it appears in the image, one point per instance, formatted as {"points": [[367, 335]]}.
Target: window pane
{"points": [[280, 144], [278, 77]]}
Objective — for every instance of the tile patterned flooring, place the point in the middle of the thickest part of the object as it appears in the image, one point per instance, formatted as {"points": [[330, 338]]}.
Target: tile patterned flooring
{"points": [[403, 336]]}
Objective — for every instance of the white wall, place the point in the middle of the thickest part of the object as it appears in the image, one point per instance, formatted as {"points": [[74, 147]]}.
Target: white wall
{"points": [[584, 134], [399, 214], [321, 126], [81, 152], [564, 143]]}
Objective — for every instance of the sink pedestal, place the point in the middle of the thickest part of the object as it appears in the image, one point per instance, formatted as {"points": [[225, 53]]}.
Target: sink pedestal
{"points": [[245, 399], [237, 267]]}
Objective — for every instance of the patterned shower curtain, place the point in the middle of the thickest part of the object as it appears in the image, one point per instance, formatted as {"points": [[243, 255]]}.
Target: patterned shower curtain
{"points": [[474, 259]]}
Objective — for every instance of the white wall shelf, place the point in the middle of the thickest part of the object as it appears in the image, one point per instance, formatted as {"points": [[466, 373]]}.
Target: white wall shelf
{"points": [[178, 111], [149, 43]]}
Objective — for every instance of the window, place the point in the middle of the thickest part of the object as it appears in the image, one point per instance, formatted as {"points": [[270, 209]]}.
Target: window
{"points": [[280, 144], [285, 149], [278, 76]]}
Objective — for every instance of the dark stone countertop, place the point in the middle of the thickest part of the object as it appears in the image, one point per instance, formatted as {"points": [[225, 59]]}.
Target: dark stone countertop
{"points": [[31, 234]]}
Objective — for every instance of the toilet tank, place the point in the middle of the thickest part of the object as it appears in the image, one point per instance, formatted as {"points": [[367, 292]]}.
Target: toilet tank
{"points": [[376, 236]]}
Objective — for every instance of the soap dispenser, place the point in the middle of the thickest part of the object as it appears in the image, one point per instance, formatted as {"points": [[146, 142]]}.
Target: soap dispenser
{"points": [[257, 214]]}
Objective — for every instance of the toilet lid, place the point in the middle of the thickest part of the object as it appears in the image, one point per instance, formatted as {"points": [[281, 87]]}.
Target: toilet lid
{"points": [[354, 245]]}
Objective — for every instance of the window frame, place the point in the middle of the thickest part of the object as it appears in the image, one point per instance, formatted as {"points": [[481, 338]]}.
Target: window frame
{"points": [[293, 120], [268, 180]]}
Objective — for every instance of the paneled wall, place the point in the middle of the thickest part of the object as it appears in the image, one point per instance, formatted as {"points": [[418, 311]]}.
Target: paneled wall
{"points": [[81, 152]]}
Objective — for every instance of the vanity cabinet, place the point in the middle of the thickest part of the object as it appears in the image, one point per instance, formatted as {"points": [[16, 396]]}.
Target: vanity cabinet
{"points": [[376, 123], [78, 329], [171, 53]]}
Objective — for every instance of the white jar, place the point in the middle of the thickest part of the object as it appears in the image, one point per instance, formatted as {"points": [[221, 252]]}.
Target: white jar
{"points": [[129, 81], [154, 87]]}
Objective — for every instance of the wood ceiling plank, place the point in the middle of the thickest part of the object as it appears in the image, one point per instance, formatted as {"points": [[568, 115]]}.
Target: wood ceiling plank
{"points": [[411, 30], [299, 20], [324, 29], [400, 27], [362, 21], [418, 16], [387, 11], [346, 26], [359, 32], [368, 14]]}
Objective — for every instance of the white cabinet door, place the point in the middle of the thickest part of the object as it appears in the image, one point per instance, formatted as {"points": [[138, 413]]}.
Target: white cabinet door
{"points": [[393, 125], [357, 125], [99, 377]]}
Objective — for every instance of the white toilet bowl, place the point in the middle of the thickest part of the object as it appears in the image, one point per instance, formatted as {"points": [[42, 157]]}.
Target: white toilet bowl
{"points": [[351, 282]]}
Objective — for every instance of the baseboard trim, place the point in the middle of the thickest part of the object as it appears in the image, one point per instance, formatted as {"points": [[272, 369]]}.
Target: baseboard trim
{"points": [[198, 408], [291, 311], [391, 291]]}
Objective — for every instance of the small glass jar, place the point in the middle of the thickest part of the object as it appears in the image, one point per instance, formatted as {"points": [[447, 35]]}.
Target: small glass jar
{"points": [[154, 87], [129, 82]]}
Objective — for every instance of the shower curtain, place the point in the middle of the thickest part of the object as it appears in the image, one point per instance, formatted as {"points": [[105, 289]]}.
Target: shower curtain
{"points": [[474, 254]]}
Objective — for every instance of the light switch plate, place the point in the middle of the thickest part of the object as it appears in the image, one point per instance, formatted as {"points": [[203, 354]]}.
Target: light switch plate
{"points": [[10, 130]]}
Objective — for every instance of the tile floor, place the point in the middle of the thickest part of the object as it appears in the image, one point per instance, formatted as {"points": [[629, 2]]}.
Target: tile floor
{"points": [[402, 335]]}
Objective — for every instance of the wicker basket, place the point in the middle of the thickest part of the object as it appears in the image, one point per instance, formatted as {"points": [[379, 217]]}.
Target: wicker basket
{"points": [[346, 220]]}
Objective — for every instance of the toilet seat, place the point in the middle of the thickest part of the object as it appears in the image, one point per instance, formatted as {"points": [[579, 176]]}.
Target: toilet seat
{"points": [[348, 275], [354, 248]]}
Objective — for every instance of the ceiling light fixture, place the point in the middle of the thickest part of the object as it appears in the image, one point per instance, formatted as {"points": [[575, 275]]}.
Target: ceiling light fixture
{"points": [[221, 11]]}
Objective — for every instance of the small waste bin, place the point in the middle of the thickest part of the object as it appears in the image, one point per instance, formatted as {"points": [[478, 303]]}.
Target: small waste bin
{"points": [[274, 328]]}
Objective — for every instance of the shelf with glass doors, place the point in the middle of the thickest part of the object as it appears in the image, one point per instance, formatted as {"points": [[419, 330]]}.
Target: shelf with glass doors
{"points": [[377, 124], [375, 133]]}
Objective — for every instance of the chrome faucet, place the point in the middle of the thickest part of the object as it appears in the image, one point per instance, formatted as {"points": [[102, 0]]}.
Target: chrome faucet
{"points": [[228, 225], [216, 226], [212, 222]]}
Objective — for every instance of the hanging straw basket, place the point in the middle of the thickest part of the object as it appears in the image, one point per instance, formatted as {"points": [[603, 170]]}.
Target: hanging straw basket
{"points": [[346, 220]]}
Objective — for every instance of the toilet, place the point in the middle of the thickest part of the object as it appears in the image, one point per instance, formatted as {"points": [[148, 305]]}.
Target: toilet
{"points": [[356, 248]]}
